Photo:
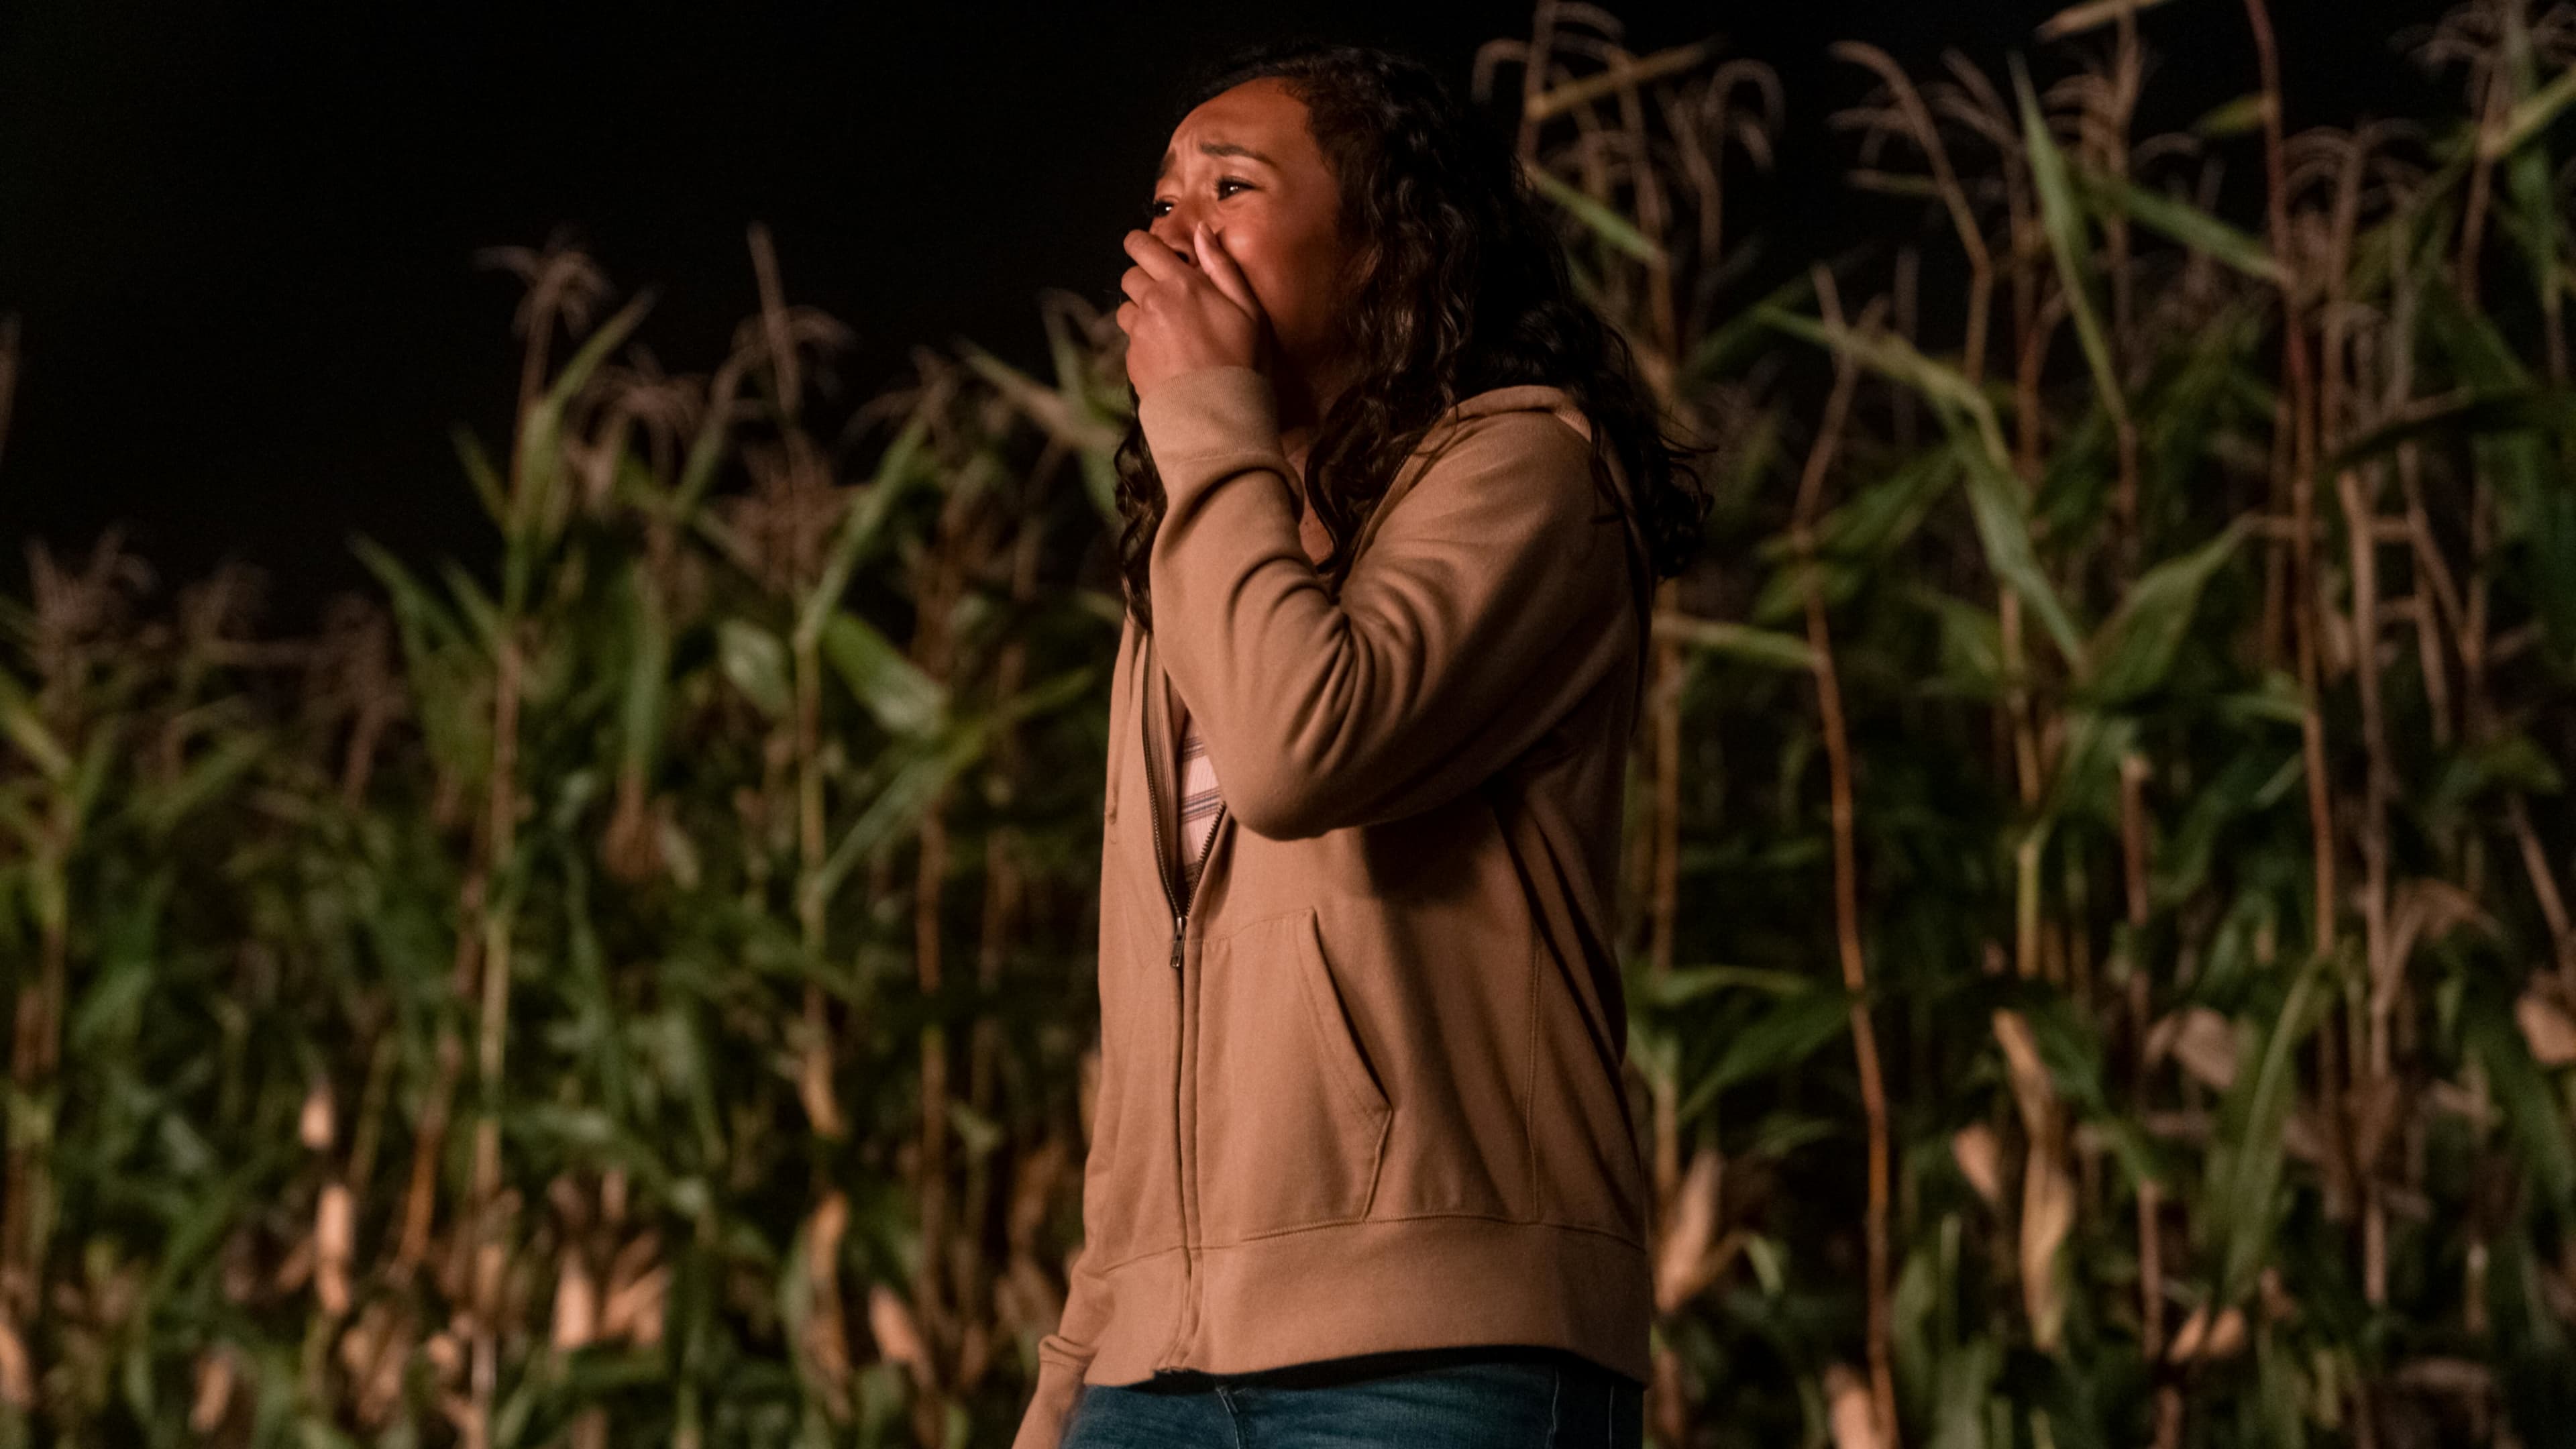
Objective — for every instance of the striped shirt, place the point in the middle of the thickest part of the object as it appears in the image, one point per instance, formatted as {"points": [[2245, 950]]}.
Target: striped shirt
{"points": [[1198, 792], [1198, 796]]}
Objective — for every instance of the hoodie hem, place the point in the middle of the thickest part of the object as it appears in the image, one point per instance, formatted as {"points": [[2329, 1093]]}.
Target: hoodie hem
{"points": [[1378, 1286]]}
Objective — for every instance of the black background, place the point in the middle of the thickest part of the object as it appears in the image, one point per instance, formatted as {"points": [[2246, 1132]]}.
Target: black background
{"points": [[240, 236]]}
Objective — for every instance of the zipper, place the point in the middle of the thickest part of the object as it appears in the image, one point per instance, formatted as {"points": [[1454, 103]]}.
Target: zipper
{"points": [[1180, 902]]}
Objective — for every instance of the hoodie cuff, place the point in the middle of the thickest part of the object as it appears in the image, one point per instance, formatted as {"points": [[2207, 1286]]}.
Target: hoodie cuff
{"points": [[1209, 422], [1059, 1383]]}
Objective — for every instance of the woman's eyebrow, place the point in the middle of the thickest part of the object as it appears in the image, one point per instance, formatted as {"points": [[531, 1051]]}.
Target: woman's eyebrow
{"points": [[1216, 148]]}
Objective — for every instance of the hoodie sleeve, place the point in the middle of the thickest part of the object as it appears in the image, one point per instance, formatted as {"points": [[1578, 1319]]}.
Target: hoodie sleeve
{"points": [[1062, 1357], [1484, 606]]}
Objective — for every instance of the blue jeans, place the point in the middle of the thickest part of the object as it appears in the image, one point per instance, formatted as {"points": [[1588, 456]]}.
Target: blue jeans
{"points": [[1485, 1397]]}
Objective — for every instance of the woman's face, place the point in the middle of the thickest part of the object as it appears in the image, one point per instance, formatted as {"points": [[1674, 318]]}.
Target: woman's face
{"points": [[1245, 163]]}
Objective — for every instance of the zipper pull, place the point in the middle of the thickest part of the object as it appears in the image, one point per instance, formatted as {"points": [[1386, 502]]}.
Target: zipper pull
{"points": [[1176, 943]]}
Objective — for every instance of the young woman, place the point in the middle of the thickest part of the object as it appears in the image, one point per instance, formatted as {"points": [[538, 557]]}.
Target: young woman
{"points": [[1362, 1169]]}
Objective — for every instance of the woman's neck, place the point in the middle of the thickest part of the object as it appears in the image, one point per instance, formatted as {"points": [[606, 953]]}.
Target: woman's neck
{"points": [[1302, 405], [1295, 442]]}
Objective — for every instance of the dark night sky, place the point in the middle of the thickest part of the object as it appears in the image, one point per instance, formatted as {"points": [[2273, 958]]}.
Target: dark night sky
{"points": [[240, 235]]}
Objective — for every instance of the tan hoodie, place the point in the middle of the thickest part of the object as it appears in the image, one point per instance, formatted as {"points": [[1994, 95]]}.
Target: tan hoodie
{"points": [[1360, 1087]]}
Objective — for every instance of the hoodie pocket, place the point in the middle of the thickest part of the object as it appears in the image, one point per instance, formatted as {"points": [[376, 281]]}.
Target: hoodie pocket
{"points": [[1108, 1185], [1292, 1124]]}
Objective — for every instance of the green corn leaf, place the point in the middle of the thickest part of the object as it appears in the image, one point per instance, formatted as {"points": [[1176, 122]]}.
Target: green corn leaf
{"points": [[899, 470], [19, 722], [99, 758], [425, 622], [1070, 357], [108, 1009], [1964, 1381], [2529, 117], [2134, 649], [474, 605], [1610, 226], [480, 472], [922, 770], [2531, 212], [1882, 517], [2245, 1169], [160, 808], [755, 661], [1784, 593], [2531, 1104], [925, 767], [533, 516], [2239, 117], [1740, 642], [1744, 333], [2063, 220], [2178, 221], [648, 664], [1895, 358], [895, 690], [2003, 525], [2468, 341], [706, 453], [1100, 485], [1995, 496], [1971, 656], [2468, 412], [1072, 425], [1777, 1040], [2071, 1048], [1688, 983], [2085, 781]]}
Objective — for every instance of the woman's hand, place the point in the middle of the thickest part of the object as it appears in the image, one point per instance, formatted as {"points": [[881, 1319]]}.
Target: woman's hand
{"points": [[1179, 317]]}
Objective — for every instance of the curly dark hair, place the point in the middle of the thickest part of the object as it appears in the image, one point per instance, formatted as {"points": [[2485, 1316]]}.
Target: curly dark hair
{"points": [[1461, 286]]}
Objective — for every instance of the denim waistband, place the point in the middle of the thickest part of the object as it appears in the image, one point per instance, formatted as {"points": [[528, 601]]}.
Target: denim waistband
{"points": [[1322, 1372]]}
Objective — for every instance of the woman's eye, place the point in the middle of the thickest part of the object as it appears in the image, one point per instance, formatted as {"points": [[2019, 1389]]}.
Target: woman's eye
{"points": [[1158, 207]]}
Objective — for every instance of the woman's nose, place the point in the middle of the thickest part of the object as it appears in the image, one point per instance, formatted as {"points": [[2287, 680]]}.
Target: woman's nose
{"points": [[1172, 229]]}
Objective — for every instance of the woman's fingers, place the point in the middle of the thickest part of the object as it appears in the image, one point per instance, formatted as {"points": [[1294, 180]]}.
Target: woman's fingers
{"points": [[1156, 265], [1186, 309], [1219, 266], [1158, 261]]}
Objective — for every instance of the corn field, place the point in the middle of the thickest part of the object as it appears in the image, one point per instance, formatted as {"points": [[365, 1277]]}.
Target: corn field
{"points": [[2097, 922]]}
